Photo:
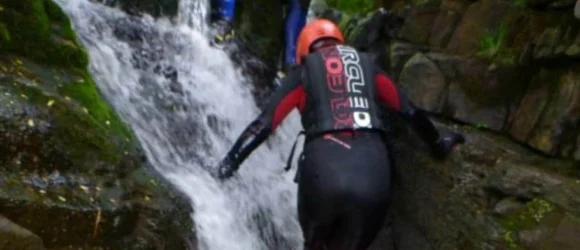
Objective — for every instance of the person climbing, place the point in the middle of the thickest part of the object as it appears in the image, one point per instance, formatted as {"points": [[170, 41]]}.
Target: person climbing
{"points": [[344, 172], [294, 22]]}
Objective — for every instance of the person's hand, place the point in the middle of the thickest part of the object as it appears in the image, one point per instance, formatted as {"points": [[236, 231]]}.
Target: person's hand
{"points": [[226, 168], [446, 143], [278, 79]]}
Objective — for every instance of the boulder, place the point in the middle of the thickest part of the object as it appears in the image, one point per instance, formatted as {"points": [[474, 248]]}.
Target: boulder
{"points": [[467, 89], [424, 83]]}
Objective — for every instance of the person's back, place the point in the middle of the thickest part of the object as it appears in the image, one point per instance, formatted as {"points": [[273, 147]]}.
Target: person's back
{"points": [[344, 173]]}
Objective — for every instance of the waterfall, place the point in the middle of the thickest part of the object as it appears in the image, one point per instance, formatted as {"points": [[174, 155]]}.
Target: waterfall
{"points": [[187, 102]]}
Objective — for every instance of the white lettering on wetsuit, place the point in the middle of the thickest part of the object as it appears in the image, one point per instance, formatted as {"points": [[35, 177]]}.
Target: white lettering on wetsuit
{"points": [[345, 80], [355, 86]]}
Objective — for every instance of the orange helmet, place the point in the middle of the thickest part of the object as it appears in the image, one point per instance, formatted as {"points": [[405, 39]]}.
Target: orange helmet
{"points": [[314, 31]]}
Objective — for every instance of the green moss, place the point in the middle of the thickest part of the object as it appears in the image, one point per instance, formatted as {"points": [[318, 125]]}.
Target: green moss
{"points": [[508, 239], [79, 133], [492, 42], [4, 35], [529, 217], [352, 6], [520, 3], [494, 47], [85, 92], [39, 30]]}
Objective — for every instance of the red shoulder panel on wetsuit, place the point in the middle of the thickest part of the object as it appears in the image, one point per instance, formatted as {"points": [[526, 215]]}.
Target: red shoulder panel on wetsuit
{"points": [[388, 92], [294, 99]]}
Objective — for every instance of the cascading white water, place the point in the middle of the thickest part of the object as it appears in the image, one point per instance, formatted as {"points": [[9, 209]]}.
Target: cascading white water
{"points": [[187, 102]]}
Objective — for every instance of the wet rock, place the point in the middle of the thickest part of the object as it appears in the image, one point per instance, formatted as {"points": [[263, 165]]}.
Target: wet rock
{"points": [[577, 10], [461, 106], [558, 46], [424, 83], [522, 182], [529, 238], [482, 18], [547, 42], [71, 172], [14, 237], [565, 235], [454, 203], [478, 92], [261, 38], [445, 23], [574, 49], [399, 54], [562, 4], [507, 206], [419, 22], [548, 115], [530, 108]]}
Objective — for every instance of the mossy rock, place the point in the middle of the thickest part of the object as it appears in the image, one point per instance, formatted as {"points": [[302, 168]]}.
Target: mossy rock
{"points": [[260, 25], [71, 171], [40, 31], [452, 203]]}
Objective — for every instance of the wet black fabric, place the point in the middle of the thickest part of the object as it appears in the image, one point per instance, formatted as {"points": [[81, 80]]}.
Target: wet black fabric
{"points": [[343, 193]]}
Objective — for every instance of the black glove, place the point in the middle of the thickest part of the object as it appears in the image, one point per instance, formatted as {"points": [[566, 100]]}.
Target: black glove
{"points": [[445, 143], [226, 168]]}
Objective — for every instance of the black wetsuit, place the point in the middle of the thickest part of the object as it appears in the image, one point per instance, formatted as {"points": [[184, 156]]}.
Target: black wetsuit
{"points": [[344, 175]]}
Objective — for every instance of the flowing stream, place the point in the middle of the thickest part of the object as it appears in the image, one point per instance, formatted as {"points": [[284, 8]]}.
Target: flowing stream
{"points": [[187, 102]]}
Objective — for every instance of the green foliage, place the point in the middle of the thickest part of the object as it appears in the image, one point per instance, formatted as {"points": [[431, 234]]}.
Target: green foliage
{"points": [[492, 42], [4, 35], [520, 3], [352, 6], [493, 46], [528, 217], [481, 125]]}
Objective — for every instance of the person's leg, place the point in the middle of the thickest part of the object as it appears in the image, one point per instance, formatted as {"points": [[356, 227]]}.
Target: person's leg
{"points": [[366, 203], [295, 21], [315, 198], [344, 191], [226, 9]]}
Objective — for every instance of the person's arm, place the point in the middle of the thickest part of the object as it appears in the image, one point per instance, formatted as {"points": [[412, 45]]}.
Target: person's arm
{"points": [[396, 100], [282, 102]]}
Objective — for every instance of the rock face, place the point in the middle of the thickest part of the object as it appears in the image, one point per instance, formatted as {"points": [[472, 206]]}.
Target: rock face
{"points": [[71, 172], [509, 72], [493, 64], [489, 194]]}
